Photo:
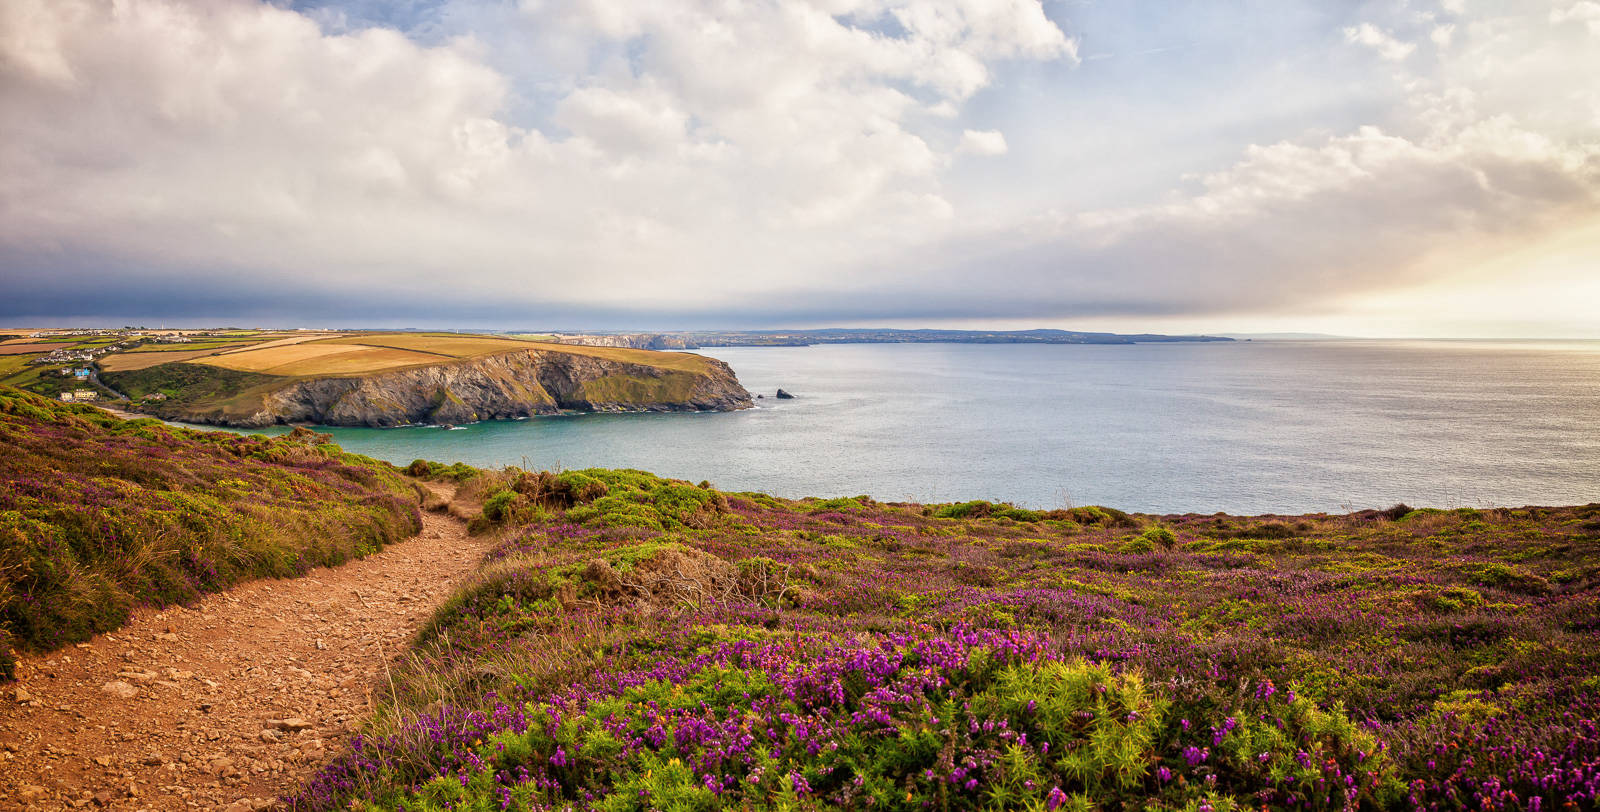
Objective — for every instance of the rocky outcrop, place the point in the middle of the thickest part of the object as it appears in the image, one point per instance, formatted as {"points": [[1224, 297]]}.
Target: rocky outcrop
{"points": [[507, 385]]}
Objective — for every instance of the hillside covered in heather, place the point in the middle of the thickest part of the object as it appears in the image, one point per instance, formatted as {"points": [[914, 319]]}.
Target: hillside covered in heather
{"points": [[100, 516], [639, 643]]}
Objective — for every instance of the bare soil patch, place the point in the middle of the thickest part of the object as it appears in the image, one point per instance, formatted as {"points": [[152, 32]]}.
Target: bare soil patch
{"points": [[23, 349]]}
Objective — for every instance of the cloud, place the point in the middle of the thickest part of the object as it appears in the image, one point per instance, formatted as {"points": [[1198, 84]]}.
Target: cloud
{"points": [[1290, 225], [982, 142], [601, 162], [1475, 165], [1586, 12], [230, 138], [622, 124], [1379, 40]]}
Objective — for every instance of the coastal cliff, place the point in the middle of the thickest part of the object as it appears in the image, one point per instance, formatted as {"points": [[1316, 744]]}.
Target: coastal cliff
{"points": [[506, 385]]}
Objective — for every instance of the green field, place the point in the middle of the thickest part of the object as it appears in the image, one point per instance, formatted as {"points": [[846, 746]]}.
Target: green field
{"points": [[185, 384], [217, 344], [44, 380], [13, 364]]}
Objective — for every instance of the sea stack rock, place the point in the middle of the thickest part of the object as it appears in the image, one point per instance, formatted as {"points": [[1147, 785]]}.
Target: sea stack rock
{"points": [[782, 395]]}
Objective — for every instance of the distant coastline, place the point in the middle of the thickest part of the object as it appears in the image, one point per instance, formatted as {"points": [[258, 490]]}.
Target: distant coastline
{"points": [[690, 340]]}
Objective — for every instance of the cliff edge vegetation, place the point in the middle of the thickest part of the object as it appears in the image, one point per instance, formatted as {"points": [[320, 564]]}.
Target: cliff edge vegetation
{"points": [[390, 379], [100, 515], [635, 643]]}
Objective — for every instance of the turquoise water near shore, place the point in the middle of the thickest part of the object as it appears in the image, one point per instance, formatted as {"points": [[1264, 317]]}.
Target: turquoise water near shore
{"points": [[1243, 427]]}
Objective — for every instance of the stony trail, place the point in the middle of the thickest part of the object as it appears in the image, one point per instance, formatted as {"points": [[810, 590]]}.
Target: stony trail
{"points": [[230, 702]]}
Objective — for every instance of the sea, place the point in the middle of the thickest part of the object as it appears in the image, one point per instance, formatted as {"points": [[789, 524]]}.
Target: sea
{"points": [[1244, 427]]}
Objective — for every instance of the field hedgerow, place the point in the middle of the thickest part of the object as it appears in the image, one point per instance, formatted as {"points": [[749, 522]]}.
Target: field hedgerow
{"points": [[633, 642], [99, 515]]}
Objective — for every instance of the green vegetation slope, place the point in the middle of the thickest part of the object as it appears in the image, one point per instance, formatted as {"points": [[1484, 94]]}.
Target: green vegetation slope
{"points": [[100, 515], [637, 643]]}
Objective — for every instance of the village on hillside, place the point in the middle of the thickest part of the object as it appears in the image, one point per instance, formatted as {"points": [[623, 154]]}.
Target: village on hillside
{"points": [[68, 367]]}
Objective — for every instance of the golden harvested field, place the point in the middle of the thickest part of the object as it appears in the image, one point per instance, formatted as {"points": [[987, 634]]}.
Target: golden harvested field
{"points": [[281, 342], [360, 361], [680, 361], [378, 352], [447, 344], [463, 346], [259, 359], [127, 361], [319, 358]]}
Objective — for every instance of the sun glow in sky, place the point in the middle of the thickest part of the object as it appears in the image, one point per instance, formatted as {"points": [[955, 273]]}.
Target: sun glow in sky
{"points": [[1403, 168]]}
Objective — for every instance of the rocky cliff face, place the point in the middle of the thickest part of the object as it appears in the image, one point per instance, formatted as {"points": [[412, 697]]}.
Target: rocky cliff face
{"points": [[508, 385]]}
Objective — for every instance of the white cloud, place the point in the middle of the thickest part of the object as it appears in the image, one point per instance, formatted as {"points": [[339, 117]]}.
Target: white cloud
{"points": [[1586, 12], [1292, 224], [1379, 40], [623, 124], [698, 137], [733, 156], [1489, 155], [982, 142]]}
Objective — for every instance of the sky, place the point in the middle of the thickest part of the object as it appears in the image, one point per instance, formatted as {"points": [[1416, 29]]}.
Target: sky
{"points": [[1395, 168]]}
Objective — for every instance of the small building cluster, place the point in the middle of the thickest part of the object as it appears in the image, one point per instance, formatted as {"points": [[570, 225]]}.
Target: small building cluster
{"points": [[69, 356], [80, 396], [79, 333]]}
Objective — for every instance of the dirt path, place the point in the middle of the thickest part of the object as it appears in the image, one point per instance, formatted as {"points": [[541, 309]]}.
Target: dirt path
{"points": [[226, 704]]}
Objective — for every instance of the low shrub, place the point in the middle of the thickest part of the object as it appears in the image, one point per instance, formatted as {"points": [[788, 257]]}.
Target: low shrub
{"points": [[454, 472], [1396, 512], [1159, 536]]}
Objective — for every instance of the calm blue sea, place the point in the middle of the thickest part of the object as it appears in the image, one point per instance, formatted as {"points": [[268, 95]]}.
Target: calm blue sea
{"points": [[1246, 427]]}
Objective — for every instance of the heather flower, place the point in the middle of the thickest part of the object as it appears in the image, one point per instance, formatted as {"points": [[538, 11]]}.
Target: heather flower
{"points": [[1055, 798]]}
